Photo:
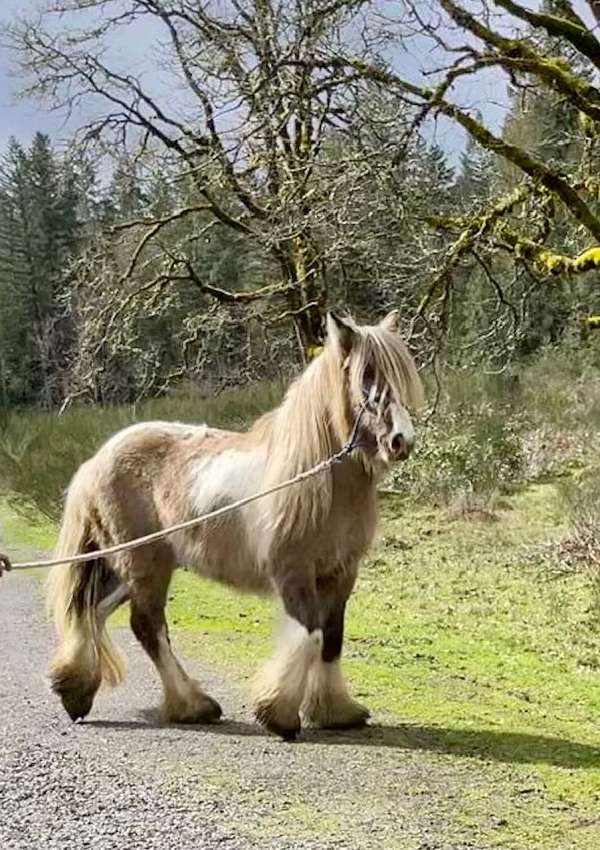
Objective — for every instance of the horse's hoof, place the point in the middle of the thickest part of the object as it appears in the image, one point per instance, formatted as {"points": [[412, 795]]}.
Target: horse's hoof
{"points": [[204, 709], [282, 732], [215, 712], [76, 703], [77, 699], [79, 708], [266, 716], [210, 712], [354, 716]]}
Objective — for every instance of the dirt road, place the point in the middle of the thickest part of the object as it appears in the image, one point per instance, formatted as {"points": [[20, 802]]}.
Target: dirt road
{"points": [[121, 780]]}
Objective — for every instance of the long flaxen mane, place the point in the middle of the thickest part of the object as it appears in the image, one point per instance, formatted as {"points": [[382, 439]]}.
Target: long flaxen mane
{"points": [[317, 415]]}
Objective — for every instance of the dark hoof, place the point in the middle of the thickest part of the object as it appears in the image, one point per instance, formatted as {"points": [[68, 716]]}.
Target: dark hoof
{"points": [[214, 713], [77, 700], [211, 714], [284, 734], [264, 715]]}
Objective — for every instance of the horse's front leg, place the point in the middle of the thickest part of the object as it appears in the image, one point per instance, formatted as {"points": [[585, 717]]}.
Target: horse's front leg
{"points": [[327, 703], [280, 686]]}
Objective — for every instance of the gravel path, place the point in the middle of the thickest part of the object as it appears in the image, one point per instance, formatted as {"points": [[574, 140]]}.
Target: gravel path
{"points": [[121, 781]]}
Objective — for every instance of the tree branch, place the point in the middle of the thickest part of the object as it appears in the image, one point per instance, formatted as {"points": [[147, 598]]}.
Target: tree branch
{"points": [[577, 34]]}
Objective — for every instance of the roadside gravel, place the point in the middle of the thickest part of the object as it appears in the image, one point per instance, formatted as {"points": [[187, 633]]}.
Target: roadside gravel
{"points": [[121, 781]]}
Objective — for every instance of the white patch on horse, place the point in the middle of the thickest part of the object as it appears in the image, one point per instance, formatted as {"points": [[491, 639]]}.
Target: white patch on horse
{"points": [[295, 635], [227, 477]]}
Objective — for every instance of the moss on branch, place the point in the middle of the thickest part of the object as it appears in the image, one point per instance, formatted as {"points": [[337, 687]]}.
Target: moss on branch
{"points": [[570, 29], [469, 229], [518, 55], [562, 264], [547, 260]]}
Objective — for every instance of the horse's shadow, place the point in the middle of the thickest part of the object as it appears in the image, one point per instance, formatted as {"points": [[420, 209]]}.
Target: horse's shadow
{"points": [[484, 744]]}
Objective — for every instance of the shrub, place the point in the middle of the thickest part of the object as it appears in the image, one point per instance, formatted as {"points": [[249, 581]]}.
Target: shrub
{"points": [[464, 457], [579, 549]]}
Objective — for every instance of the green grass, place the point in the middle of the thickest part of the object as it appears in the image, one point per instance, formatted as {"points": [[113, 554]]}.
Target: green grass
{"points": [[35, 533], [457, 632], [466, 646]]}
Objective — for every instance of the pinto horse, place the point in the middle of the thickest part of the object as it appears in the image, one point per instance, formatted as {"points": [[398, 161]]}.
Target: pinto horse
{"points": [[303, 543]]}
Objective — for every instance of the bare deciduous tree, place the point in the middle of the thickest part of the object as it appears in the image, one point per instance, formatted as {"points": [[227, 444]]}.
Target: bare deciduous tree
{"points": [[256, 100]]}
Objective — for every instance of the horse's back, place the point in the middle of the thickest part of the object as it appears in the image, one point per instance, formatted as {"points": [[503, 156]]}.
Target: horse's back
{"points": [[148, 437]]}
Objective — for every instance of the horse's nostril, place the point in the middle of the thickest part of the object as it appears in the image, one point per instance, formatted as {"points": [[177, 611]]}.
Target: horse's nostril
{"points": [[398, 442]]}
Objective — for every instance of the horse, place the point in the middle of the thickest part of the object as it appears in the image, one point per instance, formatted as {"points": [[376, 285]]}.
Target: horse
{"points": [[303, 544]]}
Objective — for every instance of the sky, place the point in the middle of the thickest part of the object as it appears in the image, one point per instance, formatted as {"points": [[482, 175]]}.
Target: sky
{"points": [[19, 119], [22, 119]]}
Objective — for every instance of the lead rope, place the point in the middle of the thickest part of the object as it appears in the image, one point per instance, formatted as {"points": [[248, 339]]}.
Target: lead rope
{"points": [[323, 466]]}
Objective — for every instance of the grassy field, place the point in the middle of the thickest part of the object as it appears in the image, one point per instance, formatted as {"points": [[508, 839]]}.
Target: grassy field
{"points": [[464, 642]]}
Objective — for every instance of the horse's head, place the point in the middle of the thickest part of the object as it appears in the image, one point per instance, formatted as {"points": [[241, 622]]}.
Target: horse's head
{"points": [[381, 379]]}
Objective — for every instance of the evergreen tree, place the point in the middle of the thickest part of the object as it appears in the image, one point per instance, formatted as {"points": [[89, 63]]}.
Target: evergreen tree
{"points": [[38, 221], [438, 176], [476, 173], [125, 198]]}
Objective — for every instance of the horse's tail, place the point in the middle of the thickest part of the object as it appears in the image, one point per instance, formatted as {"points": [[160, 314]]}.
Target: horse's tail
{"points": [[86, 655]]}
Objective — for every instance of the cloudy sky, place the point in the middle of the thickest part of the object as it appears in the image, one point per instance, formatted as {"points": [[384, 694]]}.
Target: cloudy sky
{"points": [[23, 118]]}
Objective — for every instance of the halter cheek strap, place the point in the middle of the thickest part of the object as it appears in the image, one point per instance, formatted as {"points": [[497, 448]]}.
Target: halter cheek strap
{"points": [[352, 441]]}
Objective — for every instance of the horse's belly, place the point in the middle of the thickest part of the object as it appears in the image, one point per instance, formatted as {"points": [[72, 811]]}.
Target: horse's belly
{"points": [[225, 558], [246, 577]]}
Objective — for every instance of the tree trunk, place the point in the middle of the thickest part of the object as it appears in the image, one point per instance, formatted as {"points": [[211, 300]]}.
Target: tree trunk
{"points": [[308, 295]]}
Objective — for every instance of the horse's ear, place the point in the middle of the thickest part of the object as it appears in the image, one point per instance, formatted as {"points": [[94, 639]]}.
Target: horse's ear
{"points": [[340, 332], [390, 322]]}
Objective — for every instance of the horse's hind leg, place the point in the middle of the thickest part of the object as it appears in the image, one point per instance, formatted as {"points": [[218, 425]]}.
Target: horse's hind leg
{"points": [[185, 701], [111, 602], [280, 686], [327, 703]]}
